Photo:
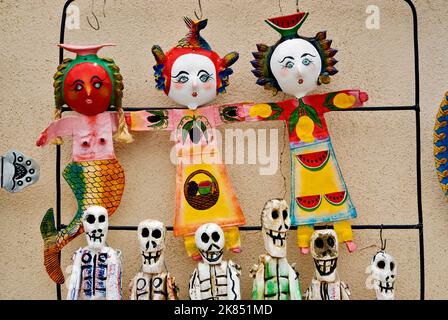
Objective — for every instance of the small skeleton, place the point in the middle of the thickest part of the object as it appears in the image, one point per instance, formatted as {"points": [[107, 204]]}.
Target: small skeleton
{"points": [[153, 282], [96, 272], [274, 278], [17, 171], [383, 273], [214, 279], [326, 284]]}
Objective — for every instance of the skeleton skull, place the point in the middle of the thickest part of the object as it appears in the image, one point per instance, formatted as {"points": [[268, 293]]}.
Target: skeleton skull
{"points": [[151, 235], [96, 223], [210, 242], [276, 221], [324, 249], [384, 271]]}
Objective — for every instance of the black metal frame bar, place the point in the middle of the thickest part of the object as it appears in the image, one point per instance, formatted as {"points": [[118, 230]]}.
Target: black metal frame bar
{"points": [[415, 108]]}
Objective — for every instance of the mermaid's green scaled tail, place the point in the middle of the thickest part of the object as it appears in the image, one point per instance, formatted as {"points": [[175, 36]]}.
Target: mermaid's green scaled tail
{"points": [[99, 182]]}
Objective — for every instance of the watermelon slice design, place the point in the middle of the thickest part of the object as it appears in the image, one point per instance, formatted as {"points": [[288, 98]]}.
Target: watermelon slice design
{"points": [[309, 203], [336, 198], [314, 161], [288, 25]]}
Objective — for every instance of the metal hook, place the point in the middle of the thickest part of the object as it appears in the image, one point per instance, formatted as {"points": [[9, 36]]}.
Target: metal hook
{"points": [[200, 8], [280, 7], [96, 19], [383, 242], [104, 8], [297, 6]]}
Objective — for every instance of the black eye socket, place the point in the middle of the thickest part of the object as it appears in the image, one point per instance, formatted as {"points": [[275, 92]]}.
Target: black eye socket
{"points": [[145, 232], [381, 264], [205, 238], [330, 241], [319, 243], [392, 266], [156, 233], [102, 218], [90, 218], [216, 236], [285, 214], [274, 214]]}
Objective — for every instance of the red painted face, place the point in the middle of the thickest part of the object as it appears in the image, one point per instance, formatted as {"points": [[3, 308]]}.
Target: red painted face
{"points": [[88, 89]]}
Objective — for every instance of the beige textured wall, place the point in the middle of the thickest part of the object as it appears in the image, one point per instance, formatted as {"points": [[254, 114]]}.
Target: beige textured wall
{"points": [[375, 150]]}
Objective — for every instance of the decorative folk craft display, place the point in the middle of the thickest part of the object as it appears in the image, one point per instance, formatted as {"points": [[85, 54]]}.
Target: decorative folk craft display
{"points": [[441, 143], [326, 284], [274, 277], [192, 75], [153, 282], [383, 274], [96, 271], [214, 279], [296, 65], [89, 85], [17, 171]]}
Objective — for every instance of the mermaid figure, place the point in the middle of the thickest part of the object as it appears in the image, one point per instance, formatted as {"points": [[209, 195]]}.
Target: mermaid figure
{"points": [[90, 86]]}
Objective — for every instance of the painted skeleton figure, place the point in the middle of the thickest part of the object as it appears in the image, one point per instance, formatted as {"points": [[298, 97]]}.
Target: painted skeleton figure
{"points": [[152, 282], [274, 277], [96, 273], [17, 171], [383, 273], [214, 279], [326, 284]]}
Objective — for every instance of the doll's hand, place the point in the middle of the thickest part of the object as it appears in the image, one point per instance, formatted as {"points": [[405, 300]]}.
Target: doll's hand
{"points": [[363, 96], [304, 250], [43, 139], [351, 246]]}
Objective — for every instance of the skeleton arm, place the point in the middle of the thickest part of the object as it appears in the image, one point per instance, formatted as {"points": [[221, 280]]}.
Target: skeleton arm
{"points": [[132, 288], [257, 272], [233, 281], [171, 287], [345, 293], [75, 277], [113, 285], [195, 286], [294, 285]]}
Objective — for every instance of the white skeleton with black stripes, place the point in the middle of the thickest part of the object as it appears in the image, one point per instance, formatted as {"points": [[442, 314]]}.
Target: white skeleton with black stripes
{"points": [[214, 279]]}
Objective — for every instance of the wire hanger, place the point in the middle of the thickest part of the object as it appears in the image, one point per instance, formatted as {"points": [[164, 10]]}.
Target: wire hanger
{"points": [[383, 242], [200, 8], [97, 27], [297, 6]]}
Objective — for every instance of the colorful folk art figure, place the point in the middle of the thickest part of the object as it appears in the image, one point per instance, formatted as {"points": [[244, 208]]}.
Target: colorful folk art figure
{"points": [[152, 282], [274, 277], [383, 274], [90, 86], [17, 171], [296, 65], [326, 284], [441, 143], [193, 75], [214, 279], [96, 271]]}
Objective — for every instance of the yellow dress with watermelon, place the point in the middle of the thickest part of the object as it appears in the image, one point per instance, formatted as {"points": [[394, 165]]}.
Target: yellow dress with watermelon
{"points": [[318, 190]]}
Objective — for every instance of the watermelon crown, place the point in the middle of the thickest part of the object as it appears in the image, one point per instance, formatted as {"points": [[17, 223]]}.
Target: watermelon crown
{"points": [[288, 27]]}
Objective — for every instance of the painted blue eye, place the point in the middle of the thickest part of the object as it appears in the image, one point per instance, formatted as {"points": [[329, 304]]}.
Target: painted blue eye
{"points": [[204, 77], [183, 79], [306, 62], [289, 64]]}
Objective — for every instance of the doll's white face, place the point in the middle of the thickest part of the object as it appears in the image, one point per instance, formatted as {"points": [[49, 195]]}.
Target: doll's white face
{"points": [[193, 81], [96, 223], [296, 65]]}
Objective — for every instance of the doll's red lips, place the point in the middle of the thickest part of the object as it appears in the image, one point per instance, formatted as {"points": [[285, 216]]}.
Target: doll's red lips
{"points": [[194, 94], [89, 101], [300, 81]]}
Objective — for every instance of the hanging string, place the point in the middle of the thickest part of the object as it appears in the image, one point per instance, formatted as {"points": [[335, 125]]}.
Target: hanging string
{"points": [[94, 16], [297, 6], [200, 9], [383, 242], [280, 7]]}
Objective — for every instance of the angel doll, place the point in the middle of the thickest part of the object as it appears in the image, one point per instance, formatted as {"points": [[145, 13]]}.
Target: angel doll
{"points": [[90, 86], [192, 75], [296, 65]]}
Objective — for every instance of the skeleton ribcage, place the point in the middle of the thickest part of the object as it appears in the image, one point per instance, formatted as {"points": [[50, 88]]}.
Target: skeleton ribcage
{"points": [[151, 287], [93, 275], [276, 277], [214, 283]]}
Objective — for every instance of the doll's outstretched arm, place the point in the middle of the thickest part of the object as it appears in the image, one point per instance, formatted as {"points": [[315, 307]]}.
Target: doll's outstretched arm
{"points": [[57, 128], [148, 120], [344, 99]]}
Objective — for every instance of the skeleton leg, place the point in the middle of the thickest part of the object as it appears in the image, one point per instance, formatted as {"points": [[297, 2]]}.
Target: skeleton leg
{"points": [[344, 232], [233, 240], [303, 237]]}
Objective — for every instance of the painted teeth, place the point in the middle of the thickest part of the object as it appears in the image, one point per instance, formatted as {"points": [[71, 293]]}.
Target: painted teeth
{"points": [[387, 288], [325, 267], [276, 236], [151, 257], [94, 238], [211, 256]]}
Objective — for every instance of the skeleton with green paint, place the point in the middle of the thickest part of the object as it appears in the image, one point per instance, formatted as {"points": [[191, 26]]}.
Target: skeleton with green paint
{"points": [[274, 277]]}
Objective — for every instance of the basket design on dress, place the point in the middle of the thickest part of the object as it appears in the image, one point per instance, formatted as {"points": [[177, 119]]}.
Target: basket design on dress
{"points": [[201, 197]]}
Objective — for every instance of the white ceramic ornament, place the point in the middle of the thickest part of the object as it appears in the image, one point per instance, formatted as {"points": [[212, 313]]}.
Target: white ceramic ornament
{"points": [[383, 274], [17, 171]]}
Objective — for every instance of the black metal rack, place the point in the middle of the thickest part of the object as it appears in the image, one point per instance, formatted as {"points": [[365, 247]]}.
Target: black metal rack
{"points": [[415, 108]]}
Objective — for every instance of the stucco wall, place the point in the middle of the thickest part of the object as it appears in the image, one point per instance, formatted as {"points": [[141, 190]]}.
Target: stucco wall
{"points": [[375, 149]]}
